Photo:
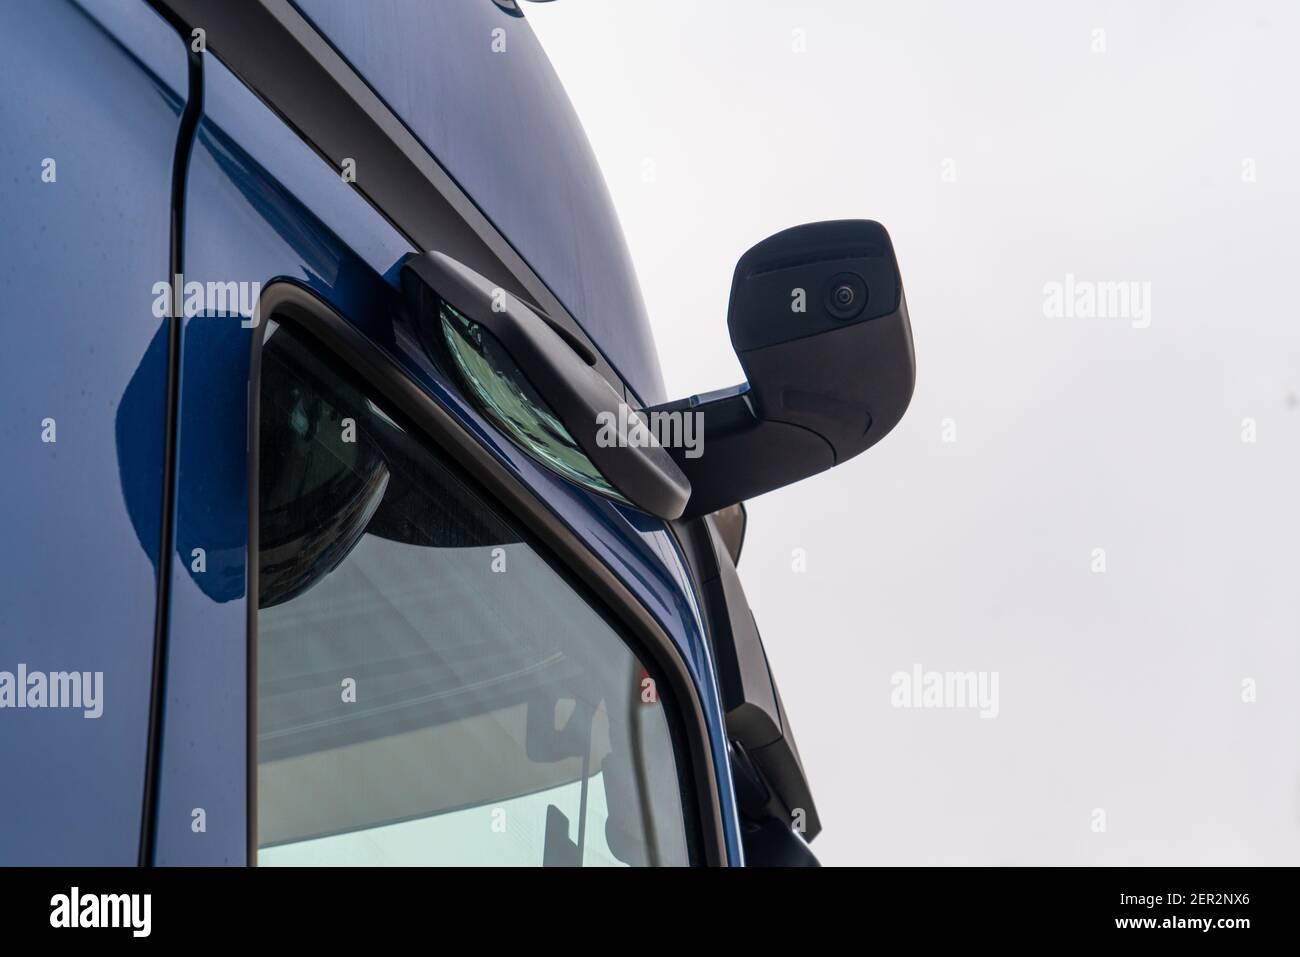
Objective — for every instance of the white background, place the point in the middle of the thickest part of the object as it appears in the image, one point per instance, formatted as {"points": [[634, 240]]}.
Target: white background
{"points": [[1120, 691]]}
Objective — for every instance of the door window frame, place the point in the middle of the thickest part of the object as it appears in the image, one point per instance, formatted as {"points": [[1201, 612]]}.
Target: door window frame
{"points": [[287, 301]]}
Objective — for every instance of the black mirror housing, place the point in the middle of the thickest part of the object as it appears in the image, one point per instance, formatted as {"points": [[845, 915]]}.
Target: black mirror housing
{"points": [[843, 368], [819, 322], [561, 371]]}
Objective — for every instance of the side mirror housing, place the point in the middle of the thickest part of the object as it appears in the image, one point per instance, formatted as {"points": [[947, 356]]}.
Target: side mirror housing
{"points": [[523, 353], [817, 318], [819, 322]]}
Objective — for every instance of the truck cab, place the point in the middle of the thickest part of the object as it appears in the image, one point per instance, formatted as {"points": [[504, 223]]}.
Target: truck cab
{"points": [[330, 539]]}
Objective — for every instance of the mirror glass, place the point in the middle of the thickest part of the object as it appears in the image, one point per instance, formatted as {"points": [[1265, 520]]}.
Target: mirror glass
{"points": [[509, 398]]}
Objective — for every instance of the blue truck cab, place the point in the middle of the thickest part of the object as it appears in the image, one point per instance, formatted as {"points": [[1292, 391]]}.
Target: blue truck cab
{"points": [[309, 555]]}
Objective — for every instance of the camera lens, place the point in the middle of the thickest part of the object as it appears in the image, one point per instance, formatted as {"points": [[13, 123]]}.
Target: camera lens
{"points": [[846, 294]]}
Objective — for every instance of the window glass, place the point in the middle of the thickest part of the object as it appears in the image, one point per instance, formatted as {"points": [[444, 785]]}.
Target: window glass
{"points": [[429, 689]]}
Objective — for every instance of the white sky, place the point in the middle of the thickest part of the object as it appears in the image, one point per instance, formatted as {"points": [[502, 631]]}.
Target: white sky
{"points": [[1120, 691]]}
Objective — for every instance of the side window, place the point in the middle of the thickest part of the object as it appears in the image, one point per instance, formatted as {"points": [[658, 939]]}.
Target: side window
{"points": [[429, 689]]}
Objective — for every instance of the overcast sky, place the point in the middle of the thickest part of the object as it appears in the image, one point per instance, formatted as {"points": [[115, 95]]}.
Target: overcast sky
{"points": [[1006, 146]]}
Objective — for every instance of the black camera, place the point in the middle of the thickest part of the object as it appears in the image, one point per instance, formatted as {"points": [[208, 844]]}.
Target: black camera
{"points": [[846, 295]]}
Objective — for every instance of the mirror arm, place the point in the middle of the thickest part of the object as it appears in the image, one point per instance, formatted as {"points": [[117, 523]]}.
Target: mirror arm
{"points": [[741, 455]]}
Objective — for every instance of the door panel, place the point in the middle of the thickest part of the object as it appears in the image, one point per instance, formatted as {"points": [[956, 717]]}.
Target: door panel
{"points": [[262, 206], [99, 91]]}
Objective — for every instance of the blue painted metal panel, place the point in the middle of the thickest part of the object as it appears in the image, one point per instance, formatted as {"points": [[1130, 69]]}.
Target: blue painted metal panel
{"points": [[100, 93], [473, 84], [262, 206]]}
